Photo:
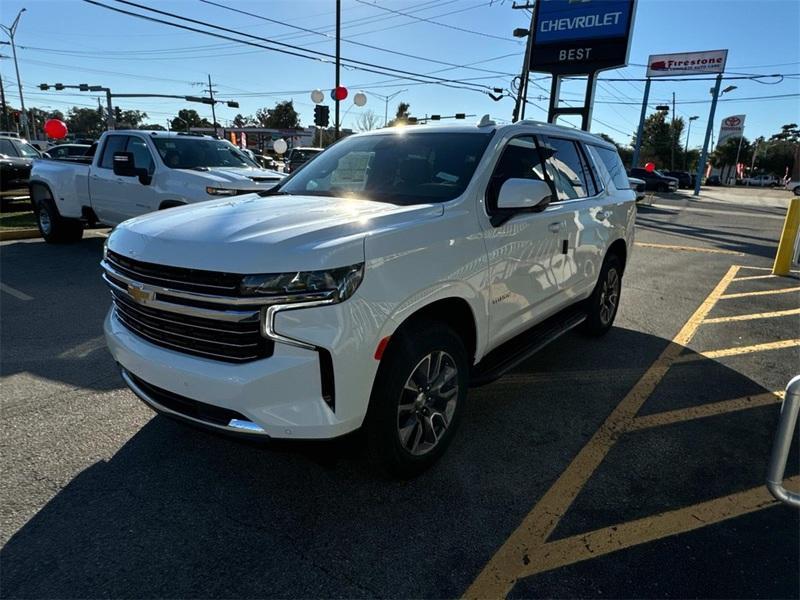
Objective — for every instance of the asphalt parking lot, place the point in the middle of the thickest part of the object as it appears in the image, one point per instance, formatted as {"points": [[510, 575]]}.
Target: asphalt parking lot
{"points": [[629, 466]]}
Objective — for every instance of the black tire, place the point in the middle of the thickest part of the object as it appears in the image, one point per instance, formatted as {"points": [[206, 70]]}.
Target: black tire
{"points": [[796, 191], [431, 418], [602, 305], [54, 228]]}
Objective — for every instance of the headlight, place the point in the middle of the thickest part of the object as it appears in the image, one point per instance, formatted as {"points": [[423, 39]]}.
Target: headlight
{"points": [[334, 284], [213, 191]]}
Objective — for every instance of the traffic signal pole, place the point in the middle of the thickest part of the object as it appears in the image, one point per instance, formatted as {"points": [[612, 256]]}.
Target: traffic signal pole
{"points": [[338, 58], [701, 165]]}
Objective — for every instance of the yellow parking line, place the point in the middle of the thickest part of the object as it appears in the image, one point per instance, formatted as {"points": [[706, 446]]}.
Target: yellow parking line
{"points": [[750, 317], [688, 248], [738, 350], [507, 565], [751, 277], [762, 268], [705, 410], [619, 537], [760, 293]]}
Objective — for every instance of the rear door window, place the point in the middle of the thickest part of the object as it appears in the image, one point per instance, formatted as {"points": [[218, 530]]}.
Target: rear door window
{"points": [[7, 148], [114, 143], [568, 169]]}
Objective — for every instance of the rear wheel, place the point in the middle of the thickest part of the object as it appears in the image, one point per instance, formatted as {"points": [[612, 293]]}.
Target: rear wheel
{"points": [[54, 228], [417, 398], [602, 305]]}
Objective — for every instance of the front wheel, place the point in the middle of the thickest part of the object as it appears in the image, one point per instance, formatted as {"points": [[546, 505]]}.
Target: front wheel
{"points": [[796, 191], [602, 305], [417, 398], [54, 228]]}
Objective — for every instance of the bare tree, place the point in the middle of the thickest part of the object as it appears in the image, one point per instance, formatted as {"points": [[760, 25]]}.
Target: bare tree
{"points": [[368, 120]]}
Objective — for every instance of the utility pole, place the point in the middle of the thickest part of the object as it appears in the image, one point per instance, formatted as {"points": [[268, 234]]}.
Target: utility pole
{"points": [[5, 106], [10, 31], [522, 91], [673, 141], [338, 60], [213, 111]]}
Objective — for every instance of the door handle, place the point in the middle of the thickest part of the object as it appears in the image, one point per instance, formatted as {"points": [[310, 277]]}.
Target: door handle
{"points": [[603, 215], [554, 227]]}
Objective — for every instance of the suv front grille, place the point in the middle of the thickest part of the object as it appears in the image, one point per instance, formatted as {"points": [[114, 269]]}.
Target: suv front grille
{"points": [[158, 304]]}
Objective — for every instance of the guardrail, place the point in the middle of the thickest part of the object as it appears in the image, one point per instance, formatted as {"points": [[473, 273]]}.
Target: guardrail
{"points": [[782, 444]]}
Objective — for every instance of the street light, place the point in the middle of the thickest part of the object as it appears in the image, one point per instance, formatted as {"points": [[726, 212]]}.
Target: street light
{"points": [[10, 31], [386, 107], [730, 88]]}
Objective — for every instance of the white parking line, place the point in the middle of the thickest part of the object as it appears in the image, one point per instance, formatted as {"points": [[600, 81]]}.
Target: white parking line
{"points": [[85, 349], [700, 209], [14, 292]]}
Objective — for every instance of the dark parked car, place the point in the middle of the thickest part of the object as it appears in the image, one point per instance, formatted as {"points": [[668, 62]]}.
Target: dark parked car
{"points": [[16, 159], [655, 181], [713, 180], [299, 156], [683, 177], [68, 150]]}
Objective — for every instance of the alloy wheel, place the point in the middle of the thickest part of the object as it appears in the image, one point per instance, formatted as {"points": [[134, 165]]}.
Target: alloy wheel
{"points": [[609, 296], [44, 221], [427, 403]]}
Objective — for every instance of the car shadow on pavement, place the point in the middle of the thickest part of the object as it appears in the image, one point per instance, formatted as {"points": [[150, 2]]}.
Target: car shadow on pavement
{"points": [[57, 333], [177, 512]]}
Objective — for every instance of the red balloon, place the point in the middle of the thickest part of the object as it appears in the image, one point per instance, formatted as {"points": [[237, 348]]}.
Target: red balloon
{"points": [[340, 93], [55, 129], [650, 167]]}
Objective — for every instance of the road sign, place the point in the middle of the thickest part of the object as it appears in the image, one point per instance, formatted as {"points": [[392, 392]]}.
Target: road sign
{"points": [[687, 63], [581, 36]]}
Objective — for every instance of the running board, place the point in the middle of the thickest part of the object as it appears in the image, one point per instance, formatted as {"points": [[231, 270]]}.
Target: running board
{"points": [[507, 356]]}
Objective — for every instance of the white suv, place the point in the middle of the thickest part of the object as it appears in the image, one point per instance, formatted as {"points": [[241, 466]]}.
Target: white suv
{"points": [[373, 286]]}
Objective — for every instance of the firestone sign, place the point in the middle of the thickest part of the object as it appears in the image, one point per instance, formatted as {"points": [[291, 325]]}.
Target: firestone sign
{"points": [[581, 36], [687, 63]]}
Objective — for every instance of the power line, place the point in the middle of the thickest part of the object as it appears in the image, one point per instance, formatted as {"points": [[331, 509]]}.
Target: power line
{"points": [[292, 50], [447, 25]]}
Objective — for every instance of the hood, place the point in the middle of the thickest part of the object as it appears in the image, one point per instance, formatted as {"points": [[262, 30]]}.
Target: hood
{"points": [[249, 178], [254, 234]]}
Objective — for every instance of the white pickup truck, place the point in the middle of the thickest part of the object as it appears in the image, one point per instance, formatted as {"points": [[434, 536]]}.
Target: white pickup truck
{"points": [[374, 285], [132, 172]]}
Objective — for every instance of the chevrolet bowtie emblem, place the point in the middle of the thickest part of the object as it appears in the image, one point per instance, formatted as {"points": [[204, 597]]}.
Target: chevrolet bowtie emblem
{"points": [[139, 294]]}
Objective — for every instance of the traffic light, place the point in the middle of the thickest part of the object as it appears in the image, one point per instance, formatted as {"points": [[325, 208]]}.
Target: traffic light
{"points": [[322, 115], [84, 87], [59, 86], [662, 107], [44, 86]]}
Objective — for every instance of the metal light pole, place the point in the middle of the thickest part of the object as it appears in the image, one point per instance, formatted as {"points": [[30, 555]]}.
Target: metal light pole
{"points": [[386, 100], [688, 133], [640, 130], [338, 60], [10, 31], [701, 165]]}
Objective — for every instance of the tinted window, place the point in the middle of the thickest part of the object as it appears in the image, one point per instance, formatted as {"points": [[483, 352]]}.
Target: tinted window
{"points": [[399, 167], [142, 159], [58, 152], [303, 155], [7, 148], [114, 143], [615, 168], [77, 150], [27, 150], [567, 169], [520, 160], [192, 152]]}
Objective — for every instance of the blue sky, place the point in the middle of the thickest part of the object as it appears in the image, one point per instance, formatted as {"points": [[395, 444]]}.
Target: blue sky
{"points": [[72, 42]]}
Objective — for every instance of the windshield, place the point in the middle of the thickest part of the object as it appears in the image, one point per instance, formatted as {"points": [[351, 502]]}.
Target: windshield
{"points": [[397, 167], [190, 153], [303, 155], [27, 151]]}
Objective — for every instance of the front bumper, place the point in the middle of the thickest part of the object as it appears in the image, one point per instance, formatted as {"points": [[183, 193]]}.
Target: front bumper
{"points": [[278, 397]]}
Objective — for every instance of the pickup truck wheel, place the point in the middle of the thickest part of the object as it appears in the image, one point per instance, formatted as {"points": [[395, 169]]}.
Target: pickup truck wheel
{"points": [[417, 398], [602, 305], [54, 228]]}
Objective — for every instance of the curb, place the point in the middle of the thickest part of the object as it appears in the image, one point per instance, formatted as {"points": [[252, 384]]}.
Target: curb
{"points": [[19, 234]]}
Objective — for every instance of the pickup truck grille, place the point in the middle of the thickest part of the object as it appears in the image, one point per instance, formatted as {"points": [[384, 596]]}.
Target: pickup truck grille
{"points": [[156, 304]]}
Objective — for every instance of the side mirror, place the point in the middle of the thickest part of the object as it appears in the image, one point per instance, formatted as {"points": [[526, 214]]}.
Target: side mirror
{"points": [[124, 166], [524, 194]]}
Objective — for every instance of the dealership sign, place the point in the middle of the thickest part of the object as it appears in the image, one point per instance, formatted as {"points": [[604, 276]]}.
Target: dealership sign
{"points": [[581, 36], [687, 63], [731, 127]]}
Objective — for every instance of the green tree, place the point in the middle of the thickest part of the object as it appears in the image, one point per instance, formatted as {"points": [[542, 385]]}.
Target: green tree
{"points": [[401, 114], [187, 118], [128, 119], [726, 152], [282, 116], [152, 127], [242, 121], [86, 122], [661, 141], [788, 133]]}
